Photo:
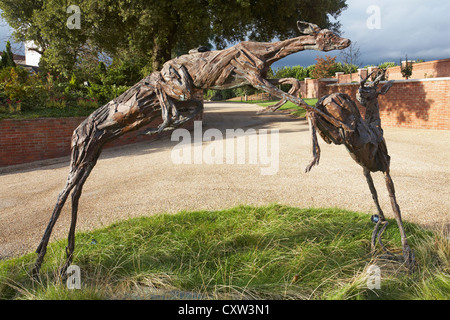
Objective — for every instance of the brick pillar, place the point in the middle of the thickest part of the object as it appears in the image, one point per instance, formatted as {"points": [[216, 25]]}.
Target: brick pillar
{"points": [[371, 69], [362, 73], [338, 76]]}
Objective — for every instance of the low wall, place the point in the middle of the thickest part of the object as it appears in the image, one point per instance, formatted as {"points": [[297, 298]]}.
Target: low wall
{"points": [[312, 88], [423, 104], [421, 70], [23, 141]]}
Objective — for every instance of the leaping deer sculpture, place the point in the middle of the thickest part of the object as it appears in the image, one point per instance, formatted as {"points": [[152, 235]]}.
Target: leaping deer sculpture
{"points": [[169, 93], [365, 142]]}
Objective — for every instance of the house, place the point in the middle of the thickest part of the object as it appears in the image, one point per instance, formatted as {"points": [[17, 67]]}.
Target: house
{"points": [[30, 60], [31, 56]]}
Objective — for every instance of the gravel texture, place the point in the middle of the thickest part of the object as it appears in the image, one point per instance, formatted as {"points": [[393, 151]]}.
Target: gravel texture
{"points": [[141, 179]]}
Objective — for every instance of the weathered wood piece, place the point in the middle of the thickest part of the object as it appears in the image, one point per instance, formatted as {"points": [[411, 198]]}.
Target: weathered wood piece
{"points": [[169, 93], [365, 142]]}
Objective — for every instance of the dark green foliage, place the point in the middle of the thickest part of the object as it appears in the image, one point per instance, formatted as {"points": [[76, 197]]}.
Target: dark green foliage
{"points": [[406, 68], [7, 58], [157, 29]]}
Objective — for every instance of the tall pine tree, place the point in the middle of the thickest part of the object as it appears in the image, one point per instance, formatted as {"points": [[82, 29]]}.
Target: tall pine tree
{"points": [[7, 57]]}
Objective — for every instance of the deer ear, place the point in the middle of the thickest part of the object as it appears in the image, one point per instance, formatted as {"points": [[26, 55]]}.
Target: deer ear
{"points": [[307, 28], [386, 87]]}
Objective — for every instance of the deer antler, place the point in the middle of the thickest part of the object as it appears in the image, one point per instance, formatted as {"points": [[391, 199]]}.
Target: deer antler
{"points": [[380, 75], [363, 81]]}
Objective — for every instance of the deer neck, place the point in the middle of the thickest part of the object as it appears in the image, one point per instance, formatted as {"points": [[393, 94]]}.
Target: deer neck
{"points": [[372, 115], [281, 49]]}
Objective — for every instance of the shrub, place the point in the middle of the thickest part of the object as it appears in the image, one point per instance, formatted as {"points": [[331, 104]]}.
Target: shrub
{"points": [[385, 65], [297, 72], [11, 107], [348, 68], [55, 102], [87, 103], [406, 68], [105, 93]]}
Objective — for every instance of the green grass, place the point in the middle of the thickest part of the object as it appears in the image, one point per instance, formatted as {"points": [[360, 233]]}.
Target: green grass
{"points": [[295, 109], [271, 252]]}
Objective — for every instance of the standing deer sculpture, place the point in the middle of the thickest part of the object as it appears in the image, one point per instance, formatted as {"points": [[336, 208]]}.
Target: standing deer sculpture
{"points": [[169, 93], [365, 142]]}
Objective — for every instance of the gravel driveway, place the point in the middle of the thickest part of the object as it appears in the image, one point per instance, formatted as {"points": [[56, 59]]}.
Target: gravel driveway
{"points": [[141, 179]]}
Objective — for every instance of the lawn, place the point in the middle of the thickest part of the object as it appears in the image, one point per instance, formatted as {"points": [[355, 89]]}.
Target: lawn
{"points": [[84, 112], [293, 108], [270, 252]]}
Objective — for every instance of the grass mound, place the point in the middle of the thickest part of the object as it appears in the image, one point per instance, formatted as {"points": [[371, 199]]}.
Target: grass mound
{"points": [[271, 252]]}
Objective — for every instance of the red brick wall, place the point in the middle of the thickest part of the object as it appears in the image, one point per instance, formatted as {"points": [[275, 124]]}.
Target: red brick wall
{"points": [[23, 141], [429, 69], [423, 104], [421, 70]]}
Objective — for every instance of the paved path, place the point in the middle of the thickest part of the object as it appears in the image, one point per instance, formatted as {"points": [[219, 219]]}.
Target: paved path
{"points": [[141, 179]]}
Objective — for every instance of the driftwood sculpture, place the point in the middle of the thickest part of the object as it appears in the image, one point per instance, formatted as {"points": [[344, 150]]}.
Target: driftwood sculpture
{"points": [[365, 143], [169, 93]]}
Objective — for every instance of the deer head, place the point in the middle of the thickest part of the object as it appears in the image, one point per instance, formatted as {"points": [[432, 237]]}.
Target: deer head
{"points": [[321, 40], [368, 93]]}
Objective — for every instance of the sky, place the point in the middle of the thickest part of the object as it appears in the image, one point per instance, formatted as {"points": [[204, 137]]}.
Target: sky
{"points": [[388, 30], [383, 30]]}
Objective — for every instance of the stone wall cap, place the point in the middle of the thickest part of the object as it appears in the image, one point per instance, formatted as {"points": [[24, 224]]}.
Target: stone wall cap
{"points": [[395, 81]]}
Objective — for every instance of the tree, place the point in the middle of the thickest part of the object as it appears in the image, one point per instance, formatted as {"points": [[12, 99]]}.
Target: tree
{"points": [[325, 67], [406, 68], [350, 56], [158, 28], [7, 58]]}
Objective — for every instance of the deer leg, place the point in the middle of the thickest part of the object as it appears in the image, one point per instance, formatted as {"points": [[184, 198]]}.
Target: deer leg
{"points": [[315, 144], [177, 83], [198, 108], [74, 177], [295, 88], [75, 199], [379, 219], [273, 107], [167, 106], [260, 83], [169, 125], [87, 141], [408, 255]]}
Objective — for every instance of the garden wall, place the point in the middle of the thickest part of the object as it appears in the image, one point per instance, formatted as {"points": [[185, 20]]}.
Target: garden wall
{"points": [[23, 141], [423, 103], [421, 70]]}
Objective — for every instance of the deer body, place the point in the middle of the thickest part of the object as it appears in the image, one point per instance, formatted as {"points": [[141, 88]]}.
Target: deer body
{"points": [[167, 93]]}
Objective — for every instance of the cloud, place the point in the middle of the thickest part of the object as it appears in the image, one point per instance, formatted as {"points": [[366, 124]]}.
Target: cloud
{"points": [[416, 28]]}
